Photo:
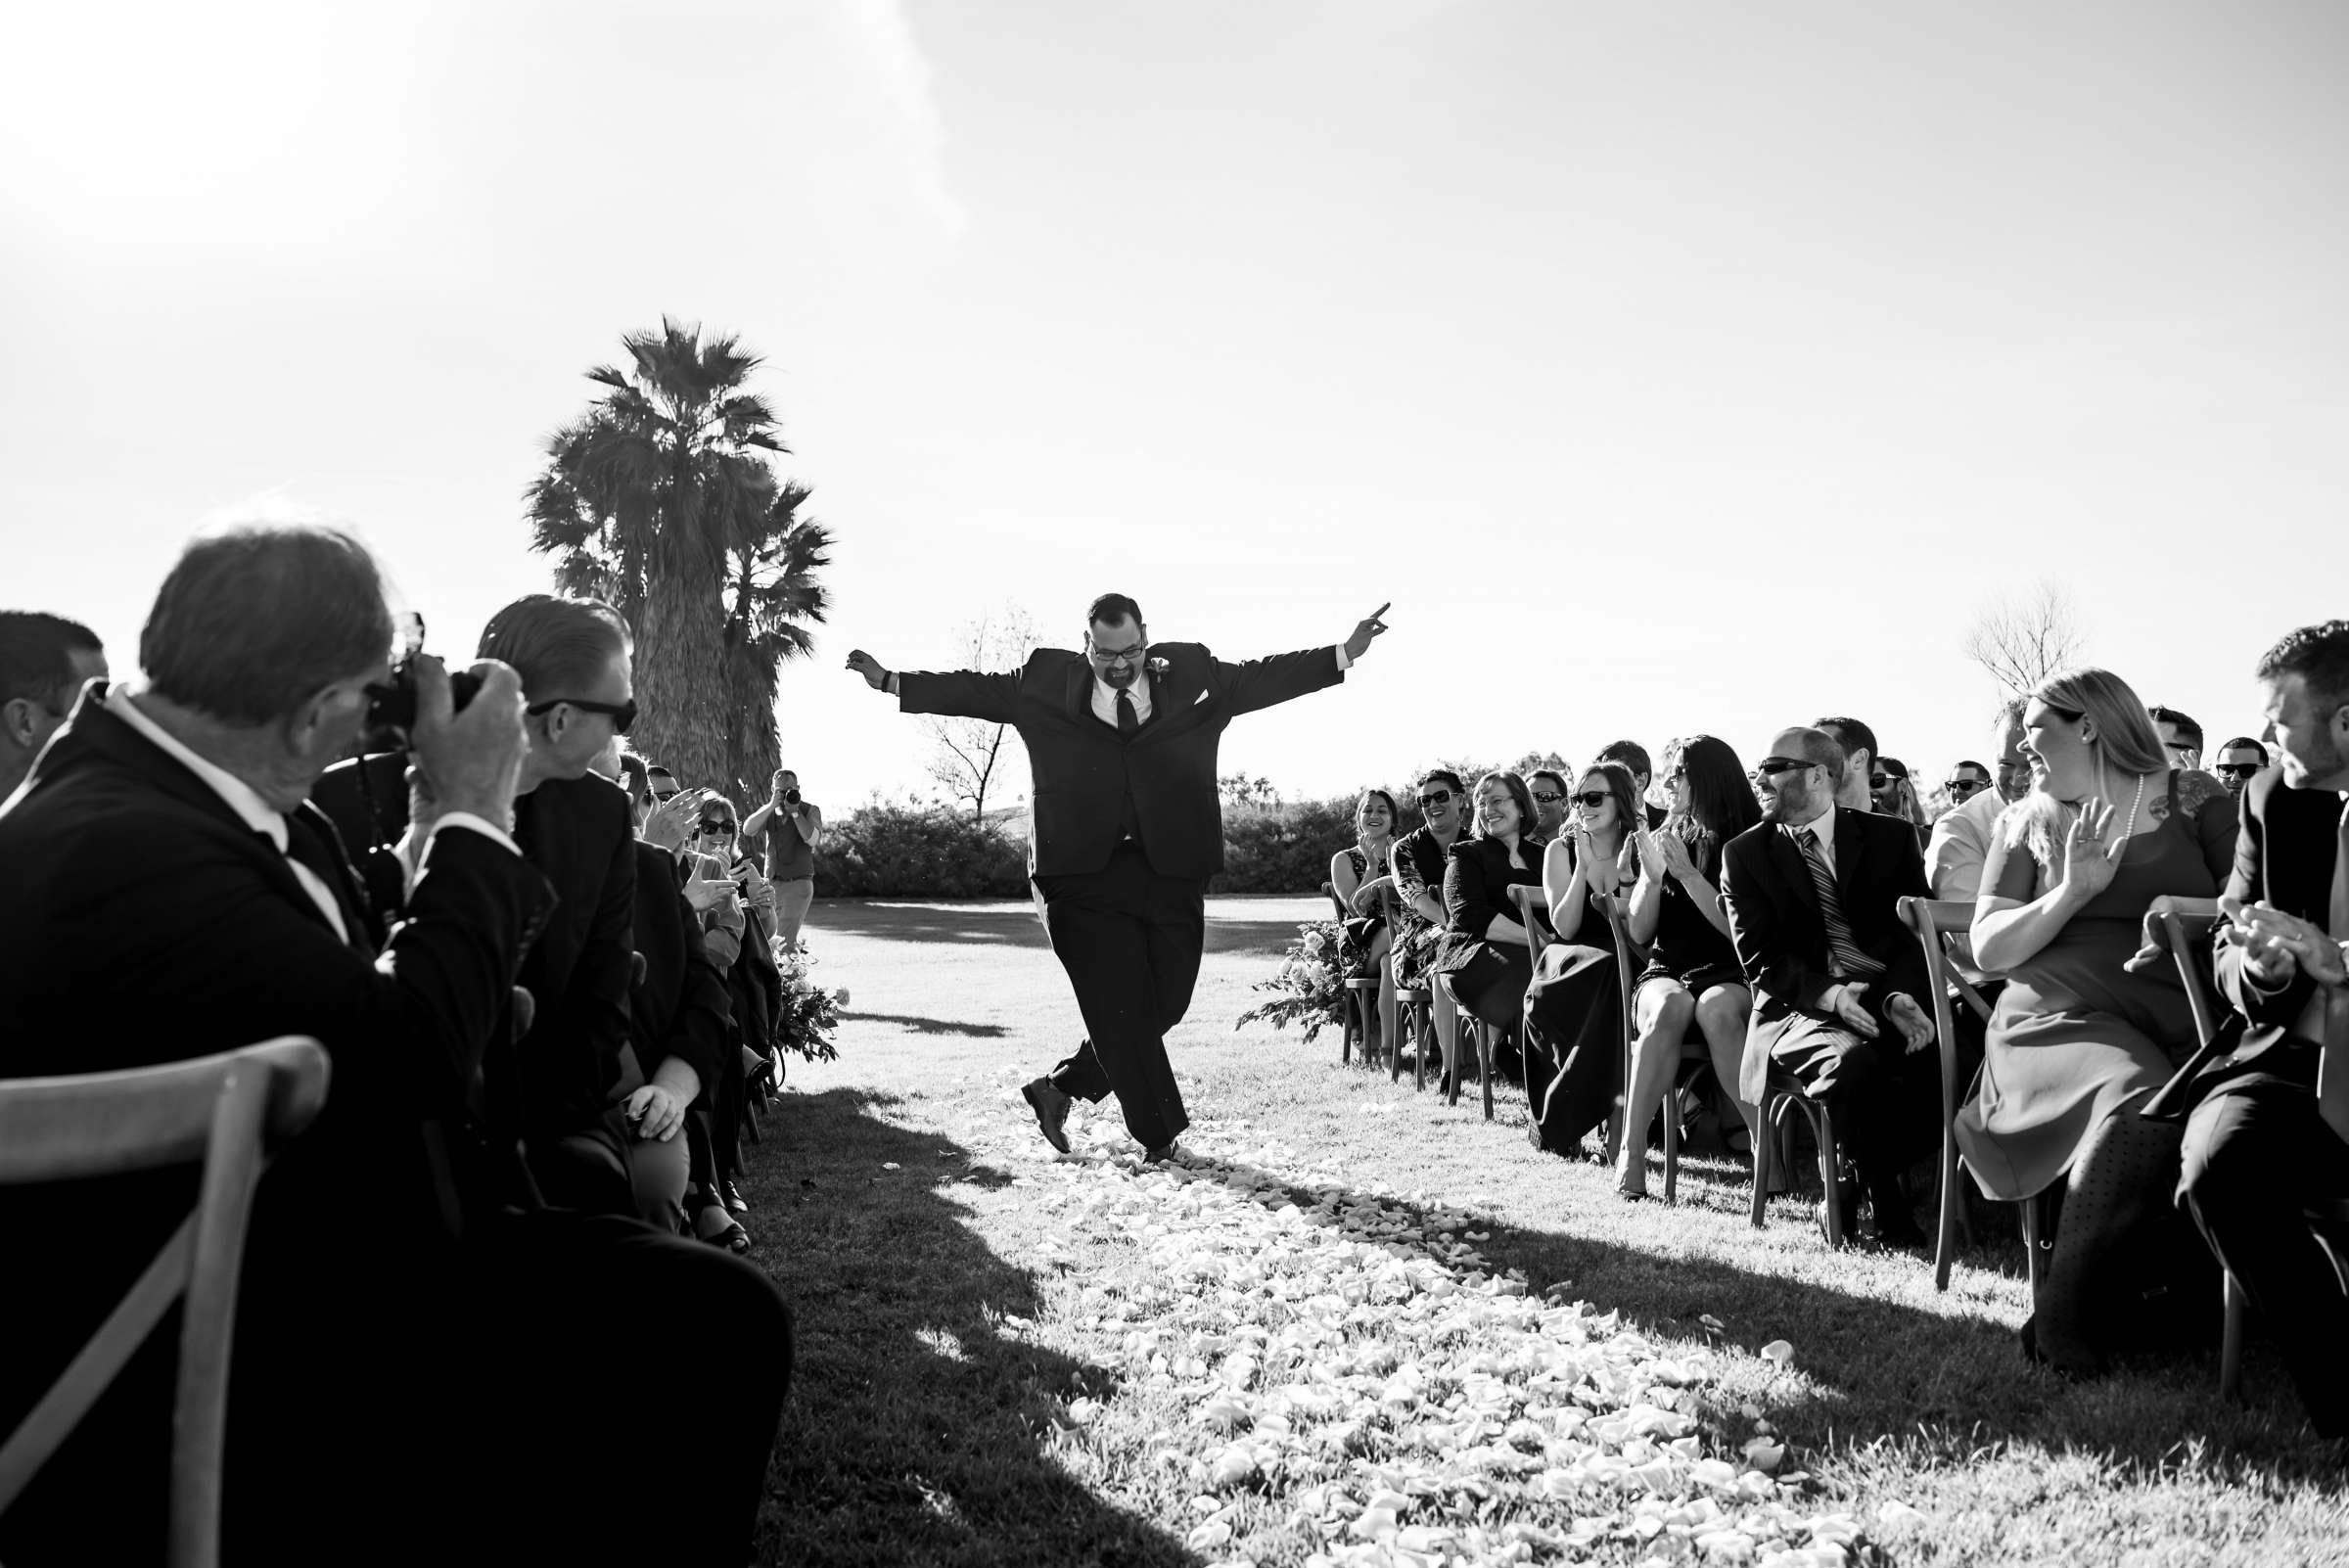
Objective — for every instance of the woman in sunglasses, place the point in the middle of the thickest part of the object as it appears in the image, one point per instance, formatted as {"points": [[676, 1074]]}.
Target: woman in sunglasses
{"points": [[1894, 794], [1692, 973], [1573, 1006]]}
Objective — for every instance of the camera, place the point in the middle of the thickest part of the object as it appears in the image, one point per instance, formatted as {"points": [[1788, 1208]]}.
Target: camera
{"points": [[392, 703], [791, 796]]}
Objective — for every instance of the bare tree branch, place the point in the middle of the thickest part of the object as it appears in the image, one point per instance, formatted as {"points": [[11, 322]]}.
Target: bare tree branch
{"points": [[968, 755], [2021, 639]]}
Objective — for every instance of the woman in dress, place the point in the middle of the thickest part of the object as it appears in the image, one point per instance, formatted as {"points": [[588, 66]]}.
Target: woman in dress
{"points": [[1692, 973], [2078, 1039], [1417, 865], [1363, 937], [1574, 1006], [1485, 949]]}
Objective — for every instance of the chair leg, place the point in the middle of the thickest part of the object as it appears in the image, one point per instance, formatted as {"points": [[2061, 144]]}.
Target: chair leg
{"points": [[1951, 1206], [1672, 1139], [2231, 1346], [1390, 1021], [1486, 1048], [2031, 1250], [1831, 1177], [1763, 1138]]}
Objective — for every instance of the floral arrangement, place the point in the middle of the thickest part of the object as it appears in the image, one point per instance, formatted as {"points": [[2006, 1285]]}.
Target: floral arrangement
{"points": [[808, 1013], [1309, 987]]}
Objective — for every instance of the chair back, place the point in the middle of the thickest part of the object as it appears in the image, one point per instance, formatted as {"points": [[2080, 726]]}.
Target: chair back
{"points": [[1329, 891], [1526, 897], [2183, 926], [220, 1112], [1627, 962]]}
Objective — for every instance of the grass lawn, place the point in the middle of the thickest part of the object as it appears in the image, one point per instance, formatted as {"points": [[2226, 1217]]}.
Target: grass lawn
{"points": [[1010, 1357]]}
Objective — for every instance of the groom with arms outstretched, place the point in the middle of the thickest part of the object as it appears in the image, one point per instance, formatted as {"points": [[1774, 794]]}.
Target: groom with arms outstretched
{"points": [[1122, 742]]}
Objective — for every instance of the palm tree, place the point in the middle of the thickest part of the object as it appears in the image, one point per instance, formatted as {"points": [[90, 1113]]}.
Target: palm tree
{"points": [[660, 499], [775, 604]]}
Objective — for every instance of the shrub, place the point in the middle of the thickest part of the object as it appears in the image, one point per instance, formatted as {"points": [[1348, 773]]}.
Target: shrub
{"points": [[808, 1014], [886, 850], [1308, 988]]}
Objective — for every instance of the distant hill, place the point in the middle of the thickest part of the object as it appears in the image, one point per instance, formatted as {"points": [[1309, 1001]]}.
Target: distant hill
{"points": [[1012, 821]]}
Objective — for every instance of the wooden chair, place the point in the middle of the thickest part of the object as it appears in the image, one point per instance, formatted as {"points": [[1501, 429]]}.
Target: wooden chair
{"points": [[1781, 1096], [1629, 962], [1414, 1010], [1935, 920], [225, 1113]]}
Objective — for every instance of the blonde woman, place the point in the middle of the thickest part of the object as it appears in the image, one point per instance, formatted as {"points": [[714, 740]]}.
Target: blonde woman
{"points": [[2077, 1040]]}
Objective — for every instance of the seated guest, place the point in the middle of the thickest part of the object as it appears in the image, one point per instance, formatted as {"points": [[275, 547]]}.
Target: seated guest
{"points": [[1857, 792], [1550, 804], [44, 662], [1574, 1004], [161, 857], [1838, 983], [1417, 864], [2077, 1040], [2270, 1103], [1966, 780], [1360, 877], [1484, 947], [2180, 736], [2238, 760], [1959, 843], [1634, 756], [1676, 912], [1892, 793]]}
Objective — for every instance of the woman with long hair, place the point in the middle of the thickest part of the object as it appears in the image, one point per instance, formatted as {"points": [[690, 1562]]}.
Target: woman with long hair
{"points": [[1484, 947], [1692, 973], [2078, 1039], [1363, 937], [1574, 1006]]}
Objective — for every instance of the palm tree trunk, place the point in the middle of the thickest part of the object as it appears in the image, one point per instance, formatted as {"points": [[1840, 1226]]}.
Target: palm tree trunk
{"points": [[681, 680]]}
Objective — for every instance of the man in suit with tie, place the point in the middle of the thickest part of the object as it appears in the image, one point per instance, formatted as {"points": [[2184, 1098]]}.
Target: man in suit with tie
{"points": [[2269, 1096], [1122, 740], [171, 895], [1813, 893]]}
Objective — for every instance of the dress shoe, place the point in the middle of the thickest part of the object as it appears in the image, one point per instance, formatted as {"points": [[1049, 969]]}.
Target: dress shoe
{"points": [[731, 1198], [1162, 1154], [1052, 1109], [1848, 1190]]}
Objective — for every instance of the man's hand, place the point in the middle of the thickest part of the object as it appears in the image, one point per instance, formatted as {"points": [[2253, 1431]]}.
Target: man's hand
{"points": [[1910, 1020], [706, 885], [655, 1114], [470, 761], [869, 667], [668, 825], [1355, 646], [1851, 1007], [2277, 944]]}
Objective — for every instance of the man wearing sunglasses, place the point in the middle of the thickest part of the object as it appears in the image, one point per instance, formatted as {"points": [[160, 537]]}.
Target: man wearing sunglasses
{"points": [[2240, 762], [1122, 740], [2180, 736], [1839, 984], [1549, 802]]}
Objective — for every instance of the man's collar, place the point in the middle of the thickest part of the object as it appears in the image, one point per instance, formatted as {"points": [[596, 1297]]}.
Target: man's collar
{"points": [[1822, 824], [240, 795]]}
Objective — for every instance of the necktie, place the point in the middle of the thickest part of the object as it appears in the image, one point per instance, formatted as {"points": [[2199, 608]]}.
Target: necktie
{"points": [[313, 860], [1128, 721], [1842, 951], [2333, 1066]]}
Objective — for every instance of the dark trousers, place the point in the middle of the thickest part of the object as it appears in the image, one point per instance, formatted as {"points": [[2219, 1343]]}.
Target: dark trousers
{"points": [[1884, 1099], [1130, 940], [1491, 984], [2256, 1152], [586, 1166]]}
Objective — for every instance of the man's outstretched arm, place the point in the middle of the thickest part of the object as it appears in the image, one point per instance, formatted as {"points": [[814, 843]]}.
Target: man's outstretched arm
{"points": [[1261, 682], [960, 693]]}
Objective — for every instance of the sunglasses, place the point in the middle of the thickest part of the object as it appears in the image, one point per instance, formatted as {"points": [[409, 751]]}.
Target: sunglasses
{"points": [[1965, 786], [622, 714], [1876, 781], [2239, 769], [1438, 798], [667, 796], [718, 828], [1594, 798], [1679, 775], [1770, 766], [1548, 797]]}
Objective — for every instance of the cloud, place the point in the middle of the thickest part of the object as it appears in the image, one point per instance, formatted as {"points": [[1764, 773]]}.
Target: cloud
{"points": [[881, 42]]}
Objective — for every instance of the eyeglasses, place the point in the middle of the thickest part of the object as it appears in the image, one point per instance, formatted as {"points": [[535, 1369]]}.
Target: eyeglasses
{"points": [[1771, 766], [1594, 798], [1118, 656], [1438, 798], [721, 829], [667, 796], [622, 714], [1965, 786], [1876, 781], [1679, 775], [1548, 797]]}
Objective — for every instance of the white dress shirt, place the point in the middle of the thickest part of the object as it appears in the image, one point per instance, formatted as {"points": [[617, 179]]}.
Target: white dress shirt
{"points": [[1822, 828]]}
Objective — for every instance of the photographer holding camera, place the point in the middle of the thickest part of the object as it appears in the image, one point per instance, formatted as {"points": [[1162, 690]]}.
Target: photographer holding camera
{"points": [[793, 829], [172, 896]]}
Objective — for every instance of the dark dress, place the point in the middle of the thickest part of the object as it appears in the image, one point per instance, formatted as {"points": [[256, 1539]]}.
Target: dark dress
{"points": [[1688, 946], [2074, 1035], [1574, 1036], [1356, 933], [1488, 977]]}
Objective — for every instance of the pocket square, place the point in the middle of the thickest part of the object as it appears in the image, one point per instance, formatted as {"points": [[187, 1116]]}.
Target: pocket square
{"points": [[1196, 701]]}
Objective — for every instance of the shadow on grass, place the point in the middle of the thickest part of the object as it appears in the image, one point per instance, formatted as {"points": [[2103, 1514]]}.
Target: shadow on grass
{"points": [[1011, 923], [1877, 1370], [919, 1426], [935, 1026]]}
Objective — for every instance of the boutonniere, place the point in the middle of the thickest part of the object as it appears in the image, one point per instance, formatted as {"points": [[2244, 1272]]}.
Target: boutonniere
{"points": [[1159, 667]]}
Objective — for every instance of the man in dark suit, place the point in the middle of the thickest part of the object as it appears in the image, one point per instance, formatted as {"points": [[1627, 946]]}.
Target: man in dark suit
{"points": [[1122, 742], [171, 895], [45, 661], [2270, 1093], [1813, 893]]}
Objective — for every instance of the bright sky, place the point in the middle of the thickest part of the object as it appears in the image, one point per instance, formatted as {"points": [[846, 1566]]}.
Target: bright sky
{"points": [[1669, 367]]}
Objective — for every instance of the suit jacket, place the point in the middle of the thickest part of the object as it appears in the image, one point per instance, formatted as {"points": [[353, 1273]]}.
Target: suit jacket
{"points": [[1781, 938], [1082, 770], [2286, 841], [679, 1008], [1477, 878], [145, 922]]}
